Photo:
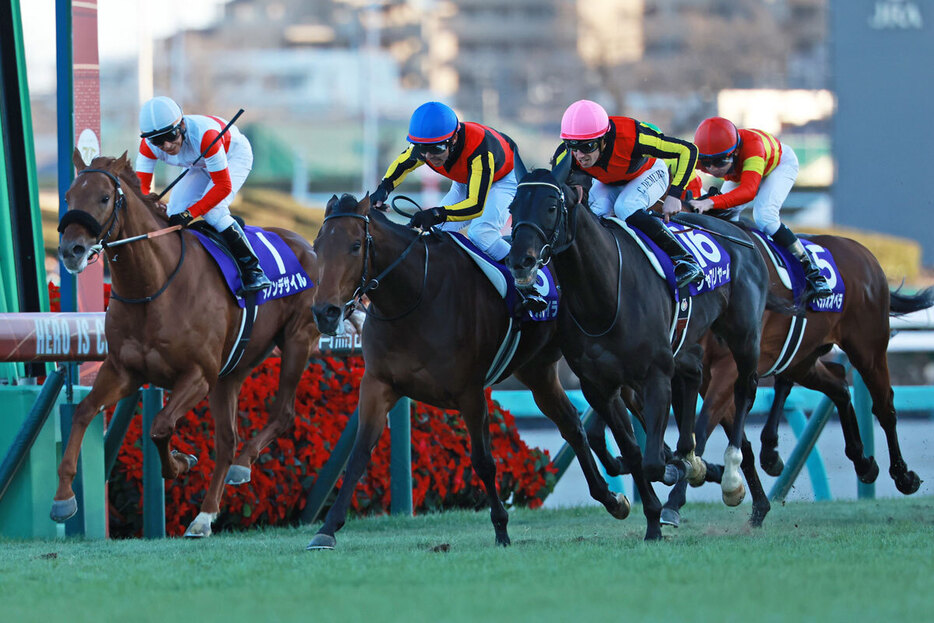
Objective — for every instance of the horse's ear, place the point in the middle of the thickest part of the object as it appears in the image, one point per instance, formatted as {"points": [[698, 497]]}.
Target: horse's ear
{"points": [[78, 161], [333, 202], [363, 206], [519, 167], [124, 158], [562, 166]]}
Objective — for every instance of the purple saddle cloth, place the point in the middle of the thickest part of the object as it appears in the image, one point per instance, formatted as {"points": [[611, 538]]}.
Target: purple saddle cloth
{"points": [[823, 259], [275, 258]]}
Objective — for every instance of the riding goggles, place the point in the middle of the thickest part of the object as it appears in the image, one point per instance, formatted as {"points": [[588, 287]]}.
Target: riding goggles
{"points": [[715, 162], [431, 149], [584, 147], [166, 137]]}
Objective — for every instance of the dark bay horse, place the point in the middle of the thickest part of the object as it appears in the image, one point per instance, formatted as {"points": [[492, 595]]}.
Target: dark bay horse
{"points": [[616, 316], [179, 339], [434, 326], [860, 330]]}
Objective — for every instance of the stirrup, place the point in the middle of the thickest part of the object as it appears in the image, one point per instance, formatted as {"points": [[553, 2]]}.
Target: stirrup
{"points": [[532, 303]]}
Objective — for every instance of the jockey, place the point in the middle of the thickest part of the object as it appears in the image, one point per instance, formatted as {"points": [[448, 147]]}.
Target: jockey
{"points": [[626, 158], [479, 161], [758, 169], [211, 183]]}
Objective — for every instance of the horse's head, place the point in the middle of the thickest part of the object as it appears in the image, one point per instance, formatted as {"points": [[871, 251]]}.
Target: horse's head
{"points": [[95, 202], [343, 247], [540, 221]]}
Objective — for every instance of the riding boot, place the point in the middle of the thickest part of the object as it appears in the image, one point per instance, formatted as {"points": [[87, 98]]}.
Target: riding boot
{"points": [[252, 276], [817, 286], [687, 270], [532, 302]]}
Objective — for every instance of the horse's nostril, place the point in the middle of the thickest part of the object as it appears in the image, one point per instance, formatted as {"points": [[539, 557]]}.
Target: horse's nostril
{"points": [[528, 261]]}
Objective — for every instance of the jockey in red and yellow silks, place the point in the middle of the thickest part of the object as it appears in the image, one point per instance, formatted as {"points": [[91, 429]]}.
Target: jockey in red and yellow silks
{"points": [[211, 183], [758, 169]]}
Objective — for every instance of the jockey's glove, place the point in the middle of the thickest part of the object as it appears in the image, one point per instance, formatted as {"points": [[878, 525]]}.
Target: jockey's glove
{"points": [[379, 196], [182, 218], [428, 218]]}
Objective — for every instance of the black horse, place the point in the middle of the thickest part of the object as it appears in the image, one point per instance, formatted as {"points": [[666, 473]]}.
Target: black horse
{"points": [[616, 317], [434, 327]]}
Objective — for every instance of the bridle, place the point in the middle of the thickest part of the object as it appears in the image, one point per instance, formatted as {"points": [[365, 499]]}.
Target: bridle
{"points": [[368, 285], [567, 224], [86, 220]]}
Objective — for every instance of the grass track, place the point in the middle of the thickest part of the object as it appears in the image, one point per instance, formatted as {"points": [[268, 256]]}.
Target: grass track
{"points": [[831, 561]]}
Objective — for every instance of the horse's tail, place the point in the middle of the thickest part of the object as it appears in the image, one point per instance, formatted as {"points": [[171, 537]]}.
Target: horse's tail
{"points": [[901, 304]]}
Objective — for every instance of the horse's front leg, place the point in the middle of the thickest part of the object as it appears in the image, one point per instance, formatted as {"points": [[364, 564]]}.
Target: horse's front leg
{"points": [[111, 385], [769, 458], [685, 387], [554, 403], [657, 397], [474, 411], [376, 398], [185, 395]]}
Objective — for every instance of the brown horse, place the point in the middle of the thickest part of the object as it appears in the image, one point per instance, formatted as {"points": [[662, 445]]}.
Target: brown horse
{"points": [[861, 330], [172, 322], [434, 328]]}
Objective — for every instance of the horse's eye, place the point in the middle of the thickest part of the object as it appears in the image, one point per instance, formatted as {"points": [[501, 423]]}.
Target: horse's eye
{"points": [[105, 198], [356, 246]]}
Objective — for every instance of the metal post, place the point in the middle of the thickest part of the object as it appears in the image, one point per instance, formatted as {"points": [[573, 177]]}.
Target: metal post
{"points": [[153, 483], [862, 404], [815, 464], [806, 442], [116, 431], [29, 431], [400, 478], [329, 474]]}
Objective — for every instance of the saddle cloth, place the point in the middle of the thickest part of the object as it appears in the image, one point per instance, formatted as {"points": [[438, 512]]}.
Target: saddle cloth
{"points": [[504, 283], [275, 258], [713, 259], [791, 272]]}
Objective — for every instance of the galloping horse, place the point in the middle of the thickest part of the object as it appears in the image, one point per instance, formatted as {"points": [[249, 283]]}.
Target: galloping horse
{"points": [[617, 316], [434, 327], [860, 329], [173, 322]]}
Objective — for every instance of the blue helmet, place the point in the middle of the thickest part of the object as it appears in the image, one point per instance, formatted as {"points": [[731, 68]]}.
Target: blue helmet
{"points": [[432, 122]]}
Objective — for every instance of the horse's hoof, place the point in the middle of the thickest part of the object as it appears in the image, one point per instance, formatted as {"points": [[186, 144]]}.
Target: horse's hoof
{"points": [[201, 526], [622, 512], [191, 460], [697, 471], [908, 483], [758, 515], [322, 541], [63, 510], [237, 475], [772, 464], [670, 517], [653, 532], [733, 498], [869, 475], [503, 540], [673, 474]]}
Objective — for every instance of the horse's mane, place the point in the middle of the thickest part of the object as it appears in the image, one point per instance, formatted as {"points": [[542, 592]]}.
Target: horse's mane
{"points": [[123, 169]]}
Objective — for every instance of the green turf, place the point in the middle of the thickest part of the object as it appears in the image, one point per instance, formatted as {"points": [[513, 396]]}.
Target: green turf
{"points": [[832, 561]]}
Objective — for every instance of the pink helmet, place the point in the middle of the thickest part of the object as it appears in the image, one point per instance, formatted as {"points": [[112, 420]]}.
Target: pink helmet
{"points": [[584, 120]]}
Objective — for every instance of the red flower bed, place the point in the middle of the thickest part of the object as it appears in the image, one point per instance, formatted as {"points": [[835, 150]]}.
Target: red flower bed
{"points": [[442, 475]]}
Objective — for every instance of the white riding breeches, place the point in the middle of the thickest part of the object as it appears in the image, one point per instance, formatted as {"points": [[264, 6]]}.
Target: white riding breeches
{"points": [[484, 231], [198, 182], [773, 190], [640, 193]]}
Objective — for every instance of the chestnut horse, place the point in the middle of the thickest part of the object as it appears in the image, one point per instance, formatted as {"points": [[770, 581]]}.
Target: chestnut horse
{"points": [[172, 322], [617, 314], [860, 329], [434, 328]]}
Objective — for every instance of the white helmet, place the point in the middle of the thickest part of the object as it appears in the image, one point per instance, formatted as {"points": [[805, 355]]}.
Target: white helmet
{"points": [[158, 115]]}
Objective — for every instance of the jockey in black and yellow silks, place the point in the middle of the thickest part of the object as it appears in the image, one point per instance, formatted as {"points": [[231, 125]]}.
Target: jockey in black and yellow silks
{"points": [[627, 160], [477, 159]]}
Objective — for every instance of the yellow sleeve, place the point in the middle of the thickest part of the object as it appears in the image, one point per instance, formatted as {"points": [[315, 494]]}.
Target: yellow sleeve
{"points": [[400, 167], [479, 181], [679, 155]]}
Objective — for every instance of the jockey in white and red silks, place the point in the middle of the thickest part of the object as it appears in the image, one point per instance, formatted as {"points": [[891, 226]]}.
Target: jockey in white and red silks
{"points": [[211, 183]]}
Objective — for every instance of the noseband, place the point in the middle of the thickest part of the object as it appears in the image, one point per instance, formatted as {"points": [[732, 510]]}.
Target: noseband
{"points": [[565, 222], [85, 219], [367, 286]]}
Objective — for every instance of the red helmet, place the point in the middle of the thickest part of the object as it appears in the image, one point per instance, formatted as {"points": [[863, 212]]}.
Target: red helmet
{"points": [[716, 137]]}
